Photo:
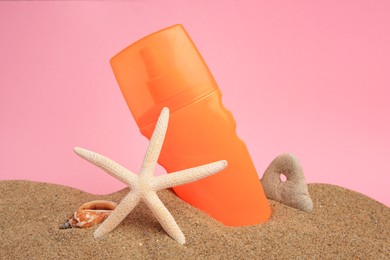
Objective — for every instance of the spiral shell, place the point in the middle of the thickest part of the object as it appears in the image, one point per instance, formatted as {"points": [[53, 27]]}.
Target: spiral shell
{"points": [[90, 214]]}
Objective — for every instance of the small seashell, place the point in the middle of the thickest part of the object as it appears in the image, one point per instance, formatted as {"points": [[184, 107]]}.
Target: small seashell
{"points": [[293, 190], [90, 214]]}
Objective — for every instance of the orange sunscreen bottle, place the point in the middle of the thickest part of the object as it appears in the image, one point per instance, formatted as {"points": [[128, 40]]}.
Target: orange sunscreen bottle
{"points": [[165, 69]]}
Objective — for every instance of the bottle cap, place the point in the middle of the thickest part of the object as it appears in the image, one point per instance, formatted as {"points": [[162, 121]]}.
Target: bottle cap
{"points": [[163, 69]]}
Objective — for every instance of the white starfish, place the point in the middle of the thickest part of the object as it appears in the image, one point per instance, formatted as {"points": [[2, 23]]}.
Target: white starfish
{"points": [[144, 185]]}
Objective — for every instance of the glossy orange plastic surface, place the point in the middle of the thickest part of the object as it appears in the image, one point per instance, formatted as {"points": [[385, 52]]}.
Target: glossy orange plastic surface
{"points": [[165, 69]]}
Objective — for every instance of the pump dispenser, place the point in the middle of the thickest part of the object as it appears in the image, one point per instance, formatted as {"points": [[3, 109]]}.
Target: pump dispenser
{"points": [[165, 69]]}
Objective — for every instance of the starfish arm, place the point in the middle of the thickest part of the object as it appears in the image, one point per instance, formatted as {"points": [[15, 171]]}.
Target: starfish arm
{"points": [[108, 165], [119, 214], [155, 144], [188, 175], [164, 217]]}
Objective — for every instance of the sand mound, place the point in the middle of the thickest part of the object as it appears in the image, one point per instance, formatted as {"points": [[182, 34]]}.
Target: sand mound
{"points": [[343, 224]]}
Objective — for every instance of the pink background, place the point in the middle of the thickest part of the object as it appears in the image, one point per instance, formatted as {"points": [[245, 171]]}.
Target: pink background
{"points": [[306, 77]]}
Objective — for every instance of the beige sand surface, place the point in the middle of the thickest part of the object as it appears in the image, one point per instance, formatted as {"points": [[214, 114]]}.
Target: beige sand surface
{"points": [[344, 224]]}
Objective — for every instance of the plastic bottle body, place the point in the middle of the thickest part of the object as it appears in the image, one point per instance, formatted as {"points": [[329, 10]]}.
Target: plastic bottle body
{"points": [[165, 69], [203, 132]]}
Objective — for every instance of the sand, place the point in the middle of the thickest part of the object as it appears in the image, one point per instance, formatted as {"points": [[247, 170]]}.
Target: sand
{"points": [[344, 224]]}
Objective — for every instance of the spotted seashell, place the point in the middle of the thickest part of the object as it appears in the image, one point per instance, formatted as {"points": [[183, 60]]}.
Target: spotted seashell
{"points": [[90, 214]]}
